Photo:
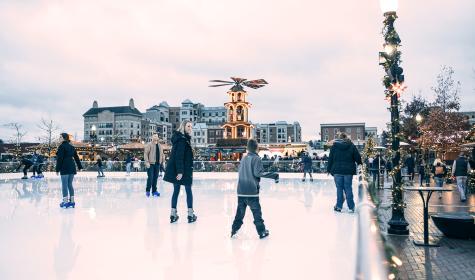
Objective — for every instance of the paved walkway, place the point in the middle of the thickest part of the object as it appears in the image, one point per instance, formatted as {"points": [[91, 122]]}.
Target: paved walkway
{"points": [[454, 259], [115, 232]]}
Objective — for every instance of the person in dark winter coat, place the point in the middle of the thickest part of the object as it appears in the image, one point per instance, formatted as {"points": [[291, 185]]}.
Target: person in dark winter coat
{"points": [[342, 166], [37, 160], [179, 169], [411, 165], [460, 170], [67, 159], [307, 166], [128, 164], [26, 163], [251, 171]]}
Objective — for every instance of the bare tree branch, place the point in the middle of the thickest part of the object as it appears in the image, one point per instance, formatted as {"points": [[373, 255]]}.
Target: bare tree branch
{"points": [[18, 135], [447, 90], [50, 129]]}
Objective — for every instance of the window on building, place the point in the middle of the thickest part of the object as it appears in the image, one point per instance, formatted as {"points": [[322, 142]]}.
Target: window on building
{"points": [[358, 129]]}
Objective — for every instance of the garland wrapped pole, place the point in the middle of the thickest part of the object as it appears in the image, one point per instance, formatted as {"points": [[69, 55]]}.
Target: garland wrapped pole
{"points": [[393, 81]]}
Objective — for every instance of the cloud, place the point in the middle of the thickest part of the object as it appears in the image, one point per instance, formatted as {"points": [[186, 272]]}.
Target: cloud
{"points": [[320, 57]]}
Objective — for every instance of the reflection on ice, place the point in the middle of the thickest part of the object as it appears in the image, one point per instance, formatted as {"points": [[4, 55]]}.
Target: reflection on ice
{"points": [[115, 232]]}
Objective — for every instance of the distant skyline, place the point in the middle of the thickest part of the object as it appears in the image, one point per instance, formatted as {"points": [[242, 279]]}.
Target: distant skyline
{"points": [[319, 57]]}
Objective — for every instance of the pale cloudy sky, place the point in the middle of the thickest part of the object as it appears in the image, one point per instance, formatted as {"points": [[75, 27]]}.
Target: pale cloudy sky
{"points": [[319, 57]]}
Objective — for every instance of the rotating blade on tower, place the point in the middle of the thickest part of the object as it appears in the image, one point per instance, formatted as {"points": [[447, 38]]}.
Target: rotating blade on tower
{"points": [[258, 82], [221, 85], [254, 86], [238, 80], [221, 81]]}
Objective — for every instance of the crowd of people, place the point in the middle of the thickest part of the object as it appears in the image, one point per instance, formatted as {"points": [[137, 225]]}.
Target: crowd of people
{"points": [[179, 172], [343, 160], [458, 170]]}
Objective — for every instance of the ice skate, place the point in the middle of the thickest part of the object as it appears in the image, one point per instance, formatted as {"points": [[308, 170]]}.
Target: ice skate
{"points": [[64, 204], [147, 194], [303, 180], [191, 216], [233, 233], [24, 177], [157, 194], [192, 219], [71, 204], [173, 216], [311, 179], [336, 209], [264, 234], [174, 219]]}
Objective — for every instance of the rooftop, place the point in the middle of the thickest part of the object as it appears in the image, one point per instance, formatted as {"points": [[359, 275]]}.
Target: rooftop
{"points": [[115, 110]]}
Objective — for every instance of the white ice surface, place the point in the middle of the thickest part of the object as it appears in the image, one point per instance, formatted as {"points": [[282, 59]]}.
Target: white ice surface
{"points": [[115, 232]]}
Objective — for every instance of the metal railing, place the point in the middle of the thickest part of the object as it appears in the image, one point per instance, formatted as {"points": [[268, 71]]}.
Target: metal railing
{"points": [[371, 262], [318, 166]]}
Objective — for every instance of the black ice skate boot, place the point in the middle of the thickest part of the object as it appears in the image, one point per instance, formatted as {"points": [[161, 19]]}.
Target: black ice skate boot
{"points": [[264, 234], [173, 216], [191, 216]]}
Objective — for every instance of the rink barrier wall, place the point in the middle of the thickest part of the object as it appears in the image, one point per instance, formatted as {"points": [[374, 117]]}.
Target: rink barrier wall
{"points": [[284, 166], [370, 261]]}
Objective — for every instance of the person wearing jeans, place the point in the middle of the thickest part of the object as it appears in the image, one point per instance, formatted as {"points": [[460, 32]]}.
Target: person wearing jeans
{"points": [[189, 196], [153, 155], [440, 171], [179, 170], [460, 170], [65, 165], [344, 157], [344, 189]]}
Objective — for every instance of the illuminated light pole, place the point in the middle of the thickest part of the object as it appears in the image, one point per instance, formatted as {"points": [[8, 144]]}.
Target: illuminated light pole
{"points": [[394, 84]]}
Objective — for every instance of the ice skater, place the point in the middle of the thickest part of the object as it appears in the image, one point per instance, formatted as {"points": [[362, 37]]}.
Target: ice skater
{"points": [[128, 164], [37, 161], [26, 163], [153, 155], [100, 167], [344, 157], [66, 157], [179, 169], [307, 166], [250, 173]]}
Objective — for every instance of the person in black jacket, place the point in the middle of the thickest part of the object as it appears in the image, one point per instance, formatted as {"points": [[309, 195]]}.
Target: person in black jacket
{"points": [[26, 163], [179, 169], [66, 156], [37, 160], [342, 166], [410, 164], [307, 166]]}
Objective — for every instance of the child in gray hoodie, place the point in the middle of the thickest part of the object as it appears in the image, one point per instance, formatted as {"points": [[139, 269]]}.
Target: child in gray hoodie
{"points": [[250, 173]]}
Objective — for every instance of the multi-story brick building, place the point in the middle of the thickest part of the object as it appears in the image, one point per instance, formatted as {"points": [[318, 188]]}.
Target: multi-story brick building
{"points": [[278, 132], [355, 131]]}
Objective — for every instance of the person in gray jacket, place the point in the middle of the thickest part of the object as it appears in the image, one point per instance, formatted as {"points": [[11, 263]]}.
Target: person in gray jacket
{"points": [[250, 173]]}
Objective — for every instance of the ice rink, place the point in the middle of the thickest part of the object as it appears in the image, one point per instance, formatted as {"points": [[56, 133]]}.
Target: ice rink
{"points": [[115, 232]]}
